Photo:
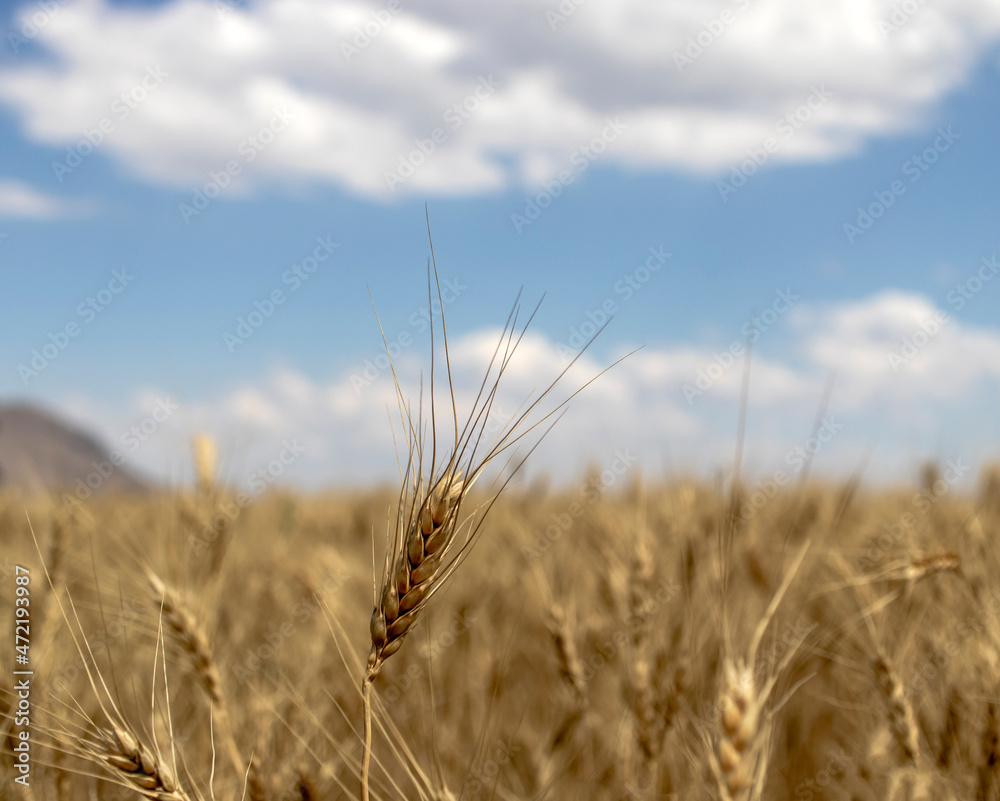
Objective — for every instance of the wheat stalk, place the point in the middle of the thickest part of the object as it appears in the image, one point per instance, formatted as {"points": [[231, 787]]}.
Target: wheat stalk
{"points": [[570, 667], [255, 787], [743, 733], [204, 455], [431, 536], [739, 746], [414, 575], [649, 725], [189, 636], [116, 747], [133, 764], [184, 628], [929, 565], [902, 720]]}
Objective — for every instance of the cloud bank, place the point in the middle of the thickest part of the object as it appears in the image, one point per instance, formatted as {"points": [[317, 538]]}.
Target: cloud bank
{"points": [[900, 363], [455, 99]]}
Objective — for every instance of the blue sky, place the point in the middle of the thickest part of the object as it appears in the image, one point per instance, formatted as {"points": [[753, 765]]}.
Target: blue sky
{"points": [[325, 128]]}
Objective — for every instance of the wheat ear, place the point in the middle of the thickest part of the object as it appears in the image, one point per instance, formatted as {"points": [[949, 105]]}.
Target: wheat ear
{"points": [[739, 743], [184, 628], [116, 748], [902, 720], [204, 455], [743, 734], [431, 537], [414, 574], [133, 764], [189, 636]]}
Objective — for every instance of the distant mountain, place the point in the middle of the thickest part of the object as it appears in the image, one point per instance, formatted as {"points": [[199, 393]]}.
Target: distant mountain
{"points": [[39, 452]]}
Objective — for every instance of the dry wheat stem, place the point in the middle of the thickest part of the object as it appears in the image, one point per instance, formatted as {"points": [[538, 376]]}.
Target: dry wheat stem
{"points": [[255, 788], [425, 550], [191, 638], [744, 725], [570, 667], [204, 454], [902, 720], [431, 539], [739, 747], [134, 765], [117, 749]]}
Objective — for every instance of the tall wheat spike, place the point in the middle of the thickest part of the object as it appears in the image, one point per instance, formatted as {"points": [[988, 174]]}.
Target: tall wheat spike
{"points": [[204, 454], [115, 746], [743, 734], [902, 720], [183, 627], [432, 536]]}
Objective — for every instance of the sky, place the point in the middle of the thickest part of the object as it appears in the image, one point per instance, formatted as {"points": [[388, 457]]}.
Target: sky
{"points": [[205, 203]]}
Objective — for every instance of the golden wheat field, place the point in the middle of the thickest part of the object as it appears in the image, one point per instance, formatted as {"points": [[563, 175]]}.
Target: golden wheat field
{"points": [[614, 640], [694, 496]]}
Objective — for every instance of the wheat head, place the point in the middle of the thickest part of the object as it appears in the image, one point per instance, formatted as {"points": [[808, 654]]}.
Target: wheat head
{"points": [[132, 764]]}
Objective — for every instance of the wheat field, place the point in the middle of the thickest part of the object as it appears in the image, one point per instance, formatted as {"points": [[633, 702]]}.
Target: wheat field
{"points": [[604, 641], [454, 637]]}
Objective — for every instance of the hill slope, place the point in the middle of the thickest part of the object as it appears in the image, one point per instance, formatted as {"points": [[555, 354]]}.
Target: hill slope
{"points": [[39, 452]]}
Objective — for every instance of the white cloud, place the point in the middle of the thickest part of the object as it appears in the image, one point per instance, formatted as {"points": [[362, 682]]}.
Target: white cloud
{"points": [[357, 113], [18, 199], [640, 405], [898, 346]]}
